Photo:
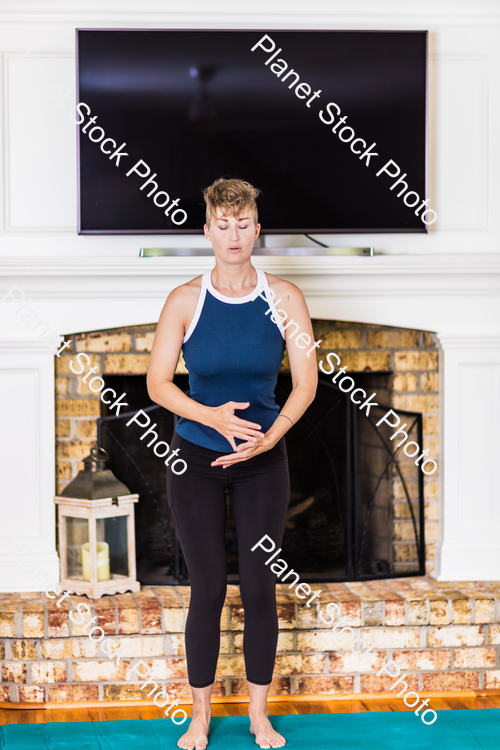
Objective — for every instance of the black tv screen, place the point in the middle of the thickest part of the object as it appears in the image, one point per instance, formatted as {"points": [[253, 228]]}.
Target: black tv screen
{"points": [[330, 125]]}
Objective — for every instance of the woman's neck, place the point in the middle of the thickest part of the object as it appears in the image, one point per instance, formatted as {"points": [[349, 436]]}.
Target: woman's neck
{"points": [[234, 281]]}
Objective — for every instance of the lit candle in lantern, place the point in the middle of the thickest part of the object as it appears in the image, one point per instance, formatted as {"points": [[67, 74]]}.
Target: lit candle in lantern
{"points": [[102, 561]]}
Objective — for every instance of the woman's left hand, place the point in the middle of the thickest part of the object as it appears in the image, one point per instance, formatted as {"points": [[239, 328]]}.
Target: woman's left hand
{"points": [[244, 451]]}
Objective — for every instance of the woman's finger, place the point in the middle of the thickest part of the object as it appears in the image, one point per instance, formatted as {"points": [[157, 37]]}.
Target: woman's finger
{"points": [[234, 461], [245, 446], [232, 458], [243, 423], [222, 459], [247, 438], [236, 431], [233, 427], [233, 443]]}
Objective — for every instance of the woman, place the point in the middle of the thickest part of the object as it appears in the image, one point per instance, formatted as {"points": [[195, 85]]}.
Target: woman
{"points": [[231, 434]]}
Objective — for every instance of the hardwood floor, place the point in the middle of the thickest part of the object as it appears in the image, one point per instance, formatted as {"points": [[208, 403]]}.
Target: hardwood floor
{"points": [[41, 716]]}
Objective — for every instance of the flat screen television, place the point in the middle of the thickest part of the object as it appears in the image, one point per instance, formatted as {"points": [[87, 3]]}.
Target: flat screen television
{"points": [[193, 106]]}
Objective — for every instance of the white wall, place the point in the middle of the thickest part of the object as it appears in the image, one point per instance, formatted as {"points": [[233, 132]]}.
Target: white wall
{"points": [[37, 45]]}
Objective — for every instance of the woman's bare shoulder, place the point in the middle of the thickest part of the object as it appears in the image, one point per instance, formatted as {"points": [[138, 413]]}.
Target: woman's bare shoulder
{"points": [[185, 293], [282, 287], [180, 305]]}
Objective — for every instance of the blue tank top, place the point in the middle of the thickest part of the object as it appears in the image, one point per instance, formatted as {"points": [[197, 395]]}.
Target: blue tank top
{"points": [[233, 352]]}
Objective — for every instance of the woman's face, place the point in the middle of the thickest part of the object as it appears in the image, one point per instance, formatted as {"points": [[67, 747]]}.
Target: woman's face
{"points": [[232, 237]]}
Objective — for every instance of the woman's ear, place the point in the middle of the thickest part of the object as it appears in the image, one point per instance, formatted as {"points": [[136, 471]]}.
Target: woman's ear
{"points": [[257, 231], [206, 230]]}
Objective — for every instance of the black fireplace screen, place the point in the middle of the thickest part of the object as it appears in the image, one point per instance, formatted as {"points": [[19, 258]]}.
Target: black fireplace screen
{"points": [[356, 508]]}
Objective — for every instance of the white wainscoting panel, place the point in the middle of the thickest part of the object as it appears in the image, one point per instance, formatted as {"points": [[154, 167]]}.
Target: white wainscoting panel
{"points": [[19, 391], [470, 447], [479, 446], [40, 143], [460, 154], [27, 453]]}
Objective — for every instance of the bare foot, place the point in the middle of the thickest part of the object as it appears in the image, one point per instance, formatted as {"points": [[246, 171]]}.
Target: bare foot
{"points": [[265, 736], [196, 737]]}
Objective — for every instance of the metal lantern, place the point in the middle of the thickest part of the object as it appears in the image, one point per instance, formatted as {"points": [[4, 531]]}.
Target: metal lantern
{"points": [[96, 531]]}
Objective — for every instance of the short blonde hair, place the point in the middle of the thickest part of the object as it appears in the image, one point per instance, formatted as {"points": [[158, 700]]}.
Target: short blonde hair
{"points": [[232, 196]]}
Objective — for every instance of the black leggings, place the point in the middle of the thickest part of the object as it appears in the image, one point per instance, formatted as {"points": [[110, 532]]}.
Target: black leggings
{"points": [[260, 493]]}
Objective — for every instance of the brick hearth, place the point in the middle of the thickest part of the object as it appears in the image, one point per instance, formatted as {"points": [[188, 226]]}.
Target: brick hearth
{"points": [[443, 636]]}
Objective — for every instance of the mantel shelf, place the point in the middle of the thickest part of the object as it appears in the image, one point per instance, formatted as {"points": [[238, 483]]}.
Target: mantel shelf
{"points": [[28, 266]]}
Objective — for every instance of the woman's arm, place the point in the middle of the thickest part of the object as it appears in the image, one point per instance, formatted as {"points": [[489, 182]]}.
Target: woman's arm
{"points": [[303, 370], [174, 320]]}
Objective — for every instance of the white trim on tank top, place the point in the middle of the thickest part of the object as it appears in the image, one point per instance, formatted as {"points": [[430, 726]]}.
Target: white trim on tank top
{"points": [[237, 300], [199, 307], [206, 284], [274, 311]]}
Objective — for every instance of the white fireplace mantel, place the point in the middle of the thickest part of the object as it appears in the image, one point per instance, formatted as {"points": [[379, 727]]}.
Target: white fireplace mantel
{"points": [[456, 297], [83, 294]]}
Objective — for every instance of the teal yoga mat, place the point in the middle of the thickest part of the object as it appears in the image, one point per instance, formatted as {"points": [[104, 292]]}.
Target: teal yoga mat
{"points": [[457, 730]]}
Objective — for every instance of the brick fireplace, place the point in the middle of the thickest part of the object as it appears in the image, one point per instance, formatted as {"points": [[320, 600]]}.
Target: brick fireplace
{"points": [[409, 357]]}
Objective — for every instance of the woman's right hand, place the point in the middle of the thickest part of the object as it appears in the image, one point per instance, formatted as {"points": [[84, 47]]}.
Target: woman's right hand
{"points": [[223, 420]]}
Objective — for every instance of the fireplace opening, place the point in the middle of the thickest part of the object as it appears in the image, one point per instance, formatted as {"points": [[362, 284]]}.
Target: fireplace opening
{"points": [[346, 475]]}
